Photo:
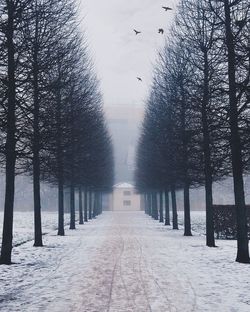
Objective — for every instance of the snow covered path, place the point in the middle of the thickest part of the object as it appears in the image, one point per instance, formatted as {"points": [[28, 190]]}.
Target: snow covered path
{"points": [[125, 262]]}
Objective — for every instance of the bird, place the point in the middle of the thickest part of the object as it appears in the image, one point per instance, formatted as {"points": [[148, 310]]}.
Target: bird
{"points": [[137, 32], [161, 31], [167, 8], [139, 79]]}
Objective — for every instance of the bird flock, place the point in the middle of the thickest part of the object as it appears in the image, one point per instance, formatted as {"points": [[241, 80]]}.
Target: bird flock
{"points": [[160, 31]]}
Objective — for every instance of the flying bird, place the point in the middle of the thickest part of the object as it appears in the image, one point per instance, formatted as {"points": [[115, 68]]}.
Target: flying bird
{"points": [[139, 79], [167, 8], [137, 32], [161, 31]]}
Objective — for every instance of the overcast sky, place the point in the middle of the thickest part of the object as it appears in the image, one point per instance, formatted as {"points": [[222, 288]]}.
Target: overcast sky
{"points": [[119, 55]]}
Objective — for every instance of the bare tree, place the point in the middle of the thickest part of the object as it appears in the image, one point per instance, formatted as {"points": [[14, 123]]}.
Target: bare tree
{"points": [[234, 18], [11, 49]]}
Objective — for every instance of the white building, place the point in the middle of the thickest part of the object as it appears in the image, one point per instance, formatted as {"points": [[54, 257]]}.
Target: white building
{"points": [[125, 198]]}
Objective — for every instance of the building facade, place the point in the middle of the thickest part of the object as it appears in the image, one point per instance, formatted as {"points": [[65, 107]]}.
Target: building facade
{"points": [[125, 198]]}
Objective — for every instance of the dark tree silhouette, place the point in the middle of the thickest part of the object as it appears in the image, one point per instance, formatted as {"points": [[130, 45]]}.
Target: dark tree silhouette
{"points": [[11, 50], [51, 107], [42, 32], [228, 13]]}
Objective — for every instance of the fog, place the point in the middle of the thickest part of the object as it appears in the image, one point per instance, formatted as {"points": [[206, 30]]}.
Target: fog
{"points": [[124, 125], [24, 194], [119, 55]]}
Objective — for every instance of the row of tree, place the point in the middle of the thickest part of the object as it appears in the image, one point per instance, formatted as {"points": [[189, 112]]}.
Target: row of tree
{"points": [[196, 126], [52, 124]]}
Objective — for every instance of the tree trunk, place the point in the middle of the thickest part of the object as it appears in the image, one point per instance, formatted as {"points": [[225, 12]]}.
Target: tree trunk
{"points": [[242, 238], [99, 205], [60, 208], [90, 204], [10, 145], [60, 158], [154, 206], [37, 198], [85, 206], [80, 207], [95, 203], [98, 211], [174, 208], [150, 204], [161, 206], [72, 208], [36, 146], [185, 167], [210, 241], [167, 216], [187, 218], [147, 197], [145, 203]]}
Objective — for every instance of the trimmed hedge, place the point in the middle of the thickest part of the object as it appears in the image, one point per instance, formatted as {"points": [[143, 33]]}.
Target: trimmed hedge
{"points": [[225, 221]]}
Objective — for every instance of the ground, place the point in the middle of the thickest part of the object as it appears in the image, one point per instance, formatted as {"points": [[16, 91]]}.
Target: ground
{"points": [[124, 262]]}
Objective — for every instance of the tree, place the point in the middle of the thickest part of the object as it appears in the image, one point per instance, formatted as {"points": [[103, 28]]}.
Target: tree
{"points": [[52, 124], [242, 238], [196, 28], [11, 49], [43, 29], [228, 12]]}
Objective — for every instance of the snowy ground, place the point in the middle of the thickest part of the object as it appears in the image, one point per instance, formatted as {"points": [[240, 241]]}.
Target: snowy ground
{"points": [[198, 221], [125, 262], [23, 225]]}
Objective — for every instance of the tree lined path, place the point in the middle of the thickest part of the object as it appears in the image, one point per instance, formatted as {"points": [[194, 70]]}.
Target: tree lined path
{"points": [[125, 262]]}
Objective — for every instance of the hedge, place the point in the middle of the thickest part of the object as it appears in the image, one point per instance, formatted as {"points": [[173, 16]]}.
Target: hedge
{"points": [[225, 221]]}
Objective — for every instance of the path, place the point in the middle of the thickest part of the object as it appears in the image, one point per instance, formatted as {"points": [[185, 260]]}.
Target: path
{"points": [[125, 262]]}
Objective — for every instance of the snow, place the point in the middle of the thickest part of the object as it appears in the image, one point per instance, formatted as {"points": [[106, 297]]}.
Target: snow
{"points": [[198, 221], [124, 262], [23, 225], [124, 185]]}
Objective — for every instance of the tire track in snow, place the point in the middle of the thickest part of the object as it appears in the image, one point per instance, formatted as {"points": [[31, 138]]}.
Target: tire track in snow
{"points": [[134, 307], [177, 269], [194, 305], [109, 272], [195, 296], [113, 276], [154, 279], [141, 277], [138, 277]]}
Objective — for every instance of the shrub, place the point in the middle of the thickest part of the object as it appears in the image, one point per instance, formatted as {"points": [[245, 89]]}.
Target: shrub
{"points": [[225, 221]]}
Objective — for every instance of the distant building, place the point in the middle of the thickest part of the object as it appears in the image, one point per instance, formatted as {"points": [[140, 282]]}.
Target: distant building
{"points": [[124, 124], [125, 198]]}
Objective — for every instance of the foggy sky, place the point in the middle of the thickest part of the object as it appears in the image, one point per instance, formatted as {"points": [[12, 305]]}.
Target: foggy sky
{"points": [[118, 54]]}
